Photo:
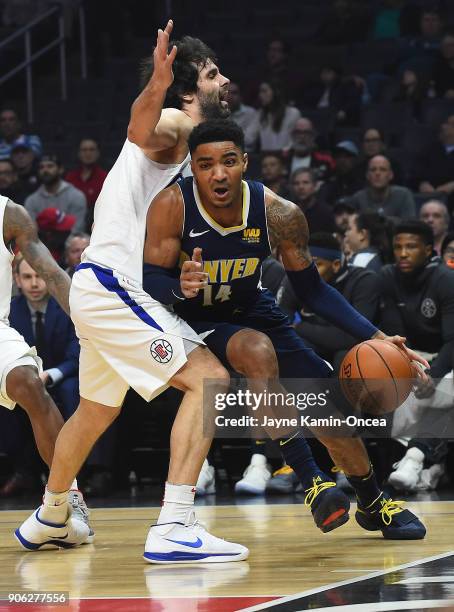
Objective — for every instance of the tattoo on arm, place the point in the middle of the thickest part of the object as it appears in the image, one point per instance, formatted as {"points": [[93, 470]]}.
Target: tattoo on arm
{"points": [[288, 231], [18, 226]]}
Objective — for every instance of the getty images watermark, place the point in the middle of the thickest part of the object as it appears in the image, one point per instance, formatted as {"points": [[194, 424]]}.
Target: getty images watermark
{"points": [[261, 409], [259, 401]]}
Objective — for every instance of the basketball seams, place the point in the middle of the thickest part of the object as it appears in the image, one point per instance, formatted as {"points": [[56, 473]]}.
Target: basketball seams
{"points": [[389, 370], [377, 405]]}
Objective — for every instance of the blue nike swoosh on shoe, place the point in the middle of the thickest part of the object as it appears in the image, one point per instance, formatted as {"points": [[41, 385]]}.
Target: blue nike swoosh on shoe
{"points": [[196, 544]]}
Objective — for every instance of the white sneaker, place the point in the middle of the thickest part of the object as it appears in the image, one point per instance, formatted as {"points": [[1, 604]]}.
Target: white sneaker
{"points": [[35, 533], [407, 470], [80, 512], [255, 477], [189, 543], [206, 484], [430, 477]]}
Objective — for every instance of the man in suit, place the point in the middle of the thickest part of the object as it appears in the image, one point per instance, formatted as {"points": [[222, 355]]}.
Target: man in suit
{"points": [[43, 324]]}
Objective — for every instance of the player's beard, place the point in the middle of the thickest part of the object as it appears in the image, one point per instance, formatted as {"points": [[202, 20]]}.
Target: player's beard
{"points": [[211, 108]]}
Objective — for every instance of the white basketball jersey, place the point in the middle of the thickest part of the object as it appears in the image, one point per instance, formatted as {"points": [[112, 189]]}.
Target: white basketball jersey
{"points": [[6, 272], [121, 209]]}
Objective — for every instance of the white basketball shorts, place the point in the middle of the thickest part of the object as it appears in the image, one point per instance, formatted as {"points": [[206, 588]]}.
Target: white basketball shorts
{"points": [[127, 339], [14, 352]]}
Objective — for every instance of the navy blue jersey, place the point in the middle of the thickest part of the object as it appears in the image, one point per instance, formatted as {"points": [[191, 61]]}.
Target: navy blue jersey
{"points": [[232, 256]]}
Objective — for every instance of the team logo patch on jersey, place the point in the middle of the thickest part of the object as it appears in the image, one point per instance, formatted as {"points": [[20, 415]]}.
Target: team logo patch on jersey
{"points": [[161, 351], [251, 235], [428, 308]]}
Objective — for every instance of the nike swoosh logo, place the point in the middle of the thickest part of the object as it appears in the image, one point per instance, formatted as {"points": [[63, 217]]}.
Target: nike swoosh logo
{"points": [[196, 544], [193, 234]]}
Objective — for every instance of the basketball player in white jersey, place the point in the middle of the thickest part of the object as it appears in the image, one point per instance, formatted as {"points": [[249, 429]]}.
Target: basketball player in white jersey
{"points": [[128, 339], [20, 366]]}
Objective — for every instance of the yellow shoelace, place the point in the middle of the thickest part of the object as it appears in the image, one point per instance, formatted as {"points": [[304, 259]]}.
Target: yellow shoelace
{"points": [[285, 469], [389, 507], [318, 486]]}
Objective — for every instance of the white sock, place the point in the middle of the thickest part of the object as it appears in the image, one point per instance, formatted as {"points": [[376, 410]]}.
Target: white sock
{"points": [[74, 486], [55, 507], [178, 500]]}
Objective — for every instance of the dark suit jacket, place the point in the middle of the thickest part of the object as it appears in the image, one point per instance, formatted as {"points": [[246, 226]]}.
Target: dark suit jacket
{"points": [[62, 345]]}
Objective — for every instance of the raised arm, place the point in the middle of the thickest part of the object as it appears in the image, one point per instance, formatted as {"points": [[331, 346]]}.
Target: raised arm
{"points": [[162, 277], [289, 233], [18, 226], [149, 127]]}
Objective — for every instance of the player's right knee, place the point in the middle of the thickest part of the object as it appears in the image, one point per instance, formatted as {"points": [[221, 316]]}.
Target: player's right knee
{"points": [[254, 356], [24, 386]]}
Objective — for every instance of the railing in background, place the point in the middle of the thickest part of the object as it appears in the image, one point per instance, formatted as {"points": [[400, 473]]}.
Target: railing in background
{"points": [[30, 57]]}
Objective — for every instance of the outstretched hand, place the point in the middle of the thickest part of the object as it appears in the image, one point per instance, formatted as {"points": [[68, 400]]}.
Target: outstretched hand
{"points": [[162, 58], [413, 356], [192, 277]]}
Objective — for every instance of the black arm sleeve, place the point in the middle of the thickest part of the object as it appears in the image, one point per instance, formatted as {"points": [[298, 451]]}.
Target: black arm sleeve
{"points": [[364, 298]]}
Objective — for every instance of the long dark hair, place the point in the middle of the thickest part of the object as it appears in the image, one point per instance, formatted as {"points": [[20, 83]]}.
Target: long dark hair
{"points": [[191, 54], [380, 230], [276, 110]]}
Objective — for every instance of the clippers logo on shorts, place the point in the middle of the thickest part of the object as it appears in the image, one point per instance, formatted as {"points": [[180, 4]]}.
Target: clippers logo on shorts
{"points": [[428, 308], [161, 351]]}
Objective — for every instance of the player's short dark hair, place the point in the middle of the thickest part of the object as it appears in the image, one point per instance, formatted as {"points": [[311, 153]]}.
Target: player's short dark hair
{"points": [[325, 240], [447, 239], [216, 130], [416, 227], [191, 54]]}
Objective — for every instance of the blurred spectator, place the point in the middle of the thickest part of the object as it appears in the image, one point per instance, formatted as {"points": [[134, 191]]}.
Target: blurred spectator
{"points": [[420, 51], [447, 250], [26, 164], [44, 325], [347, 21], [9, 186], [436, 214], [242, 114], [347, 178], [443, 72], [39, 318], [304, 152], [275, 121], [342, 211], [277, 63], [373, 143], [274, 174], [75, 245], [54, 228], [382, 197], [387, 22], [89, 176], [57, 193], [358, 286], [340, 94], [11, 135], [418, 303], [305, 194], [368, 240], [434, 170], [412, 89]]}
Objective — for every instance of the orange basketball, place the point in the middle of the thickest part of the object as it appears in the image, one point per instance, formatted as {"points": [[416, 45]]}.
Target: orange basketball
{"points": [[376, 376]]}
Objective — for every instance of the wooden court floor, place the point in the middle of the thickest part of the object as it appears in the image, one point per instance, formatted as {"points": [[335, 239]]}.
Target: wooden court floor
{"points": [[288, 556]]}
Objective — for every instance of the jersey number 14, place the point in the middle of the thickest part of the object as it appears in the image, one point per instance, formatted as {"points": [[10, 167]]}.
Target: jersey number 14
{"points": [[223, 294]]}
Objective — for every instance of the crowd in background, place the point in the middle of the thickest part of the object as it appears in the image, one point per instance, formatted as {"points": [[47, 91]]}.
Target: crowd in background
{"points": [[369, 158]]}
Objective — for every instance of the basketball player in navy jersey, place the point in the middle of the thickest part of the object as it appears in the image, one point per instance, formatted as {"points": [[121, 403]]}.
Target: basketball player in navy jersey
{"points": [[235, 224]]}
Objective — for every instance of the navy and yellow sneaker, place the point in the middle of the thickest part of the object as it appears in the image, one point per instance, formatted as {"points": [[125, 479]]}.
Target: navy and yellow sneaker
{"points": [[329, 505], [388, 516]]}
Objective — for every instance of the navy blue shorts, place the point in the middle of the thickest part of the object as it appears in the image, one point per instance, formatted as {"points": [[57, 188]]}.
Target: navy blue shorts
{"points": [[295, 359]]}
